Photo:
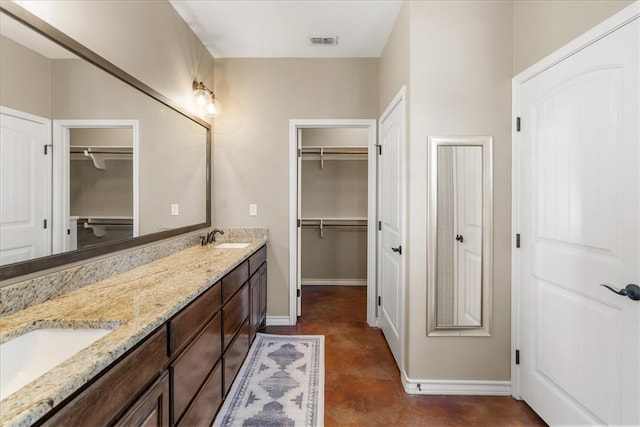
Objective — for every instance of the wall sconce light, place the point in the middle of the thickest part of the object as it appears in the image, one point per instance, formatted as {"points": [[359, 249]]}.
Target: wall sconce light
{"points": [[205, 98]]}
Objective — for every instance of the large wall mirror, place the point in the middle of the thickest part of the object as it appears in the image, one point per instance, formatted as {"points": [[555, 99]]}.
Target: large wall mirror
{"points": [[88, 153], [460, 236]]}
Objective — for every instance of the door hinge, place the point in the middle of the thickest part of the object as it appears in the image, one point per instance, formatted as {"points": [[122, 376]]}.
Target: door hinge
{"points": [[299, 152], [298, 293], [379, 225], [517, 124], [379, 300], [46, 149], [517, 357], [45, 223], [518, 240], [379, 146], [299, 223]]}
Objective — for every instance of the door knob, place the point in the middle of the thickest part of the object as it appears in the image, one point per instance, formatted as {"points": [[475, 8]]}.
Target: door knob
{"points": [[460, 238], [632, 291], [398, 250]]}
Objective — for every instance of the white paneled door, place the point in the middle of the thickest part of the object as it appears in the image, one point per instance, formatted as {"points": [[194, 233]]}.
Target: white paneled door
{"points": [[25, 187], [391, 230], [467, 168], [577, 198]]}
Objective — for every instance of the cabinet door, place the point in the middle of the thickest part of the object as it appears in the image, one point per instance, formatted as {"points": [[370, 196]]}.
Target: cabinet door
{"points": [[152, 409], [263, 296], [193, 365], [206, 404], [255, 312]]}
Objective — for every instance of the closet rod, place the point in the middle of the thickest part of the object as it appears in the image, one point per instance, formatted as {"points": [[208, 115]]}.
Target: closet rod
{"points": [[332, 225], [334, 152]]}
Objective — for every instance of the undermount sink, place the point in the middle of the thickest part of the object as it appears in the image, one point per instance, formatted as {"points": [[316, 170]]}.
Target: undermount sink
{"points": [[229, 245], [29, 356]]}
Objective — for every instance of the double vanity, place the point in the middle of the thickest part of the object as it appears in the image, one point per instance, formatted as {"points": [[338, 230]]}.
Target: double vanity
{"points": [[159, 344]]}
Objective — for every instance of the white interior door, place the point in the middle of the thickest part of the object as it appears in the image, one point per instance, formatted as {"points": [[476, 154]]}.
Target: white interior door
{"points": [[391, 233], [25, 187], [299, 229], [579, 191], [467, 165]]}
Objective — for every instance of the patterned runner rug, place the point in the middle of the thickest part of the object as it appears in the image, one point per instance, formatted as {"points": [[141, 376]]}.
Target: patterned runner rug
{"points": [[281, 383]]}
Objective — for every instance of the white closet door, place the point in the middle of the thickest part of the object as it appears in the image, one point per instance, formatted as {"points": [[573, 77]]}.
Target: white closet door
{"points": [[579, 191], [25, 189], [391, 237]]}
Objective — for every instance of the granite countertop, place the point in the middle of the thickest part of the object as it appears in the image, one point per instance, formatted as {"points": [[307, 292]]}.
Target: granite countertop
{"points": [[133, 304]]}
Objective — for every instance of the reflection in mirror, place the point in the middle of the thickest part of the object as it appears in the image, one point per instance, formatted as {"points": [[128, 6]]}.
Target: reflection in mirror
{"points": [[87, 154], [460, 236]]}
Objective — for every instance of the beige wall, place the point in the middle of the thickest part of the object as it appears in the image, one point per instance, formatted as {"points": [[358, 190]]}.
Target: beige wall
{"points": [[147, 39], [18, 66], [251, 150], [543, 26], [460, 65], [394, 61]]}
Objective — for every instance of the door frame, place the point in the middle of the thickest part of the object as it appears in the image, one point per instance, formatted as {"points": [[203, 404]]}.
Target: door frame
{"points": [[61, 159], [601, 30], [372, 213]]}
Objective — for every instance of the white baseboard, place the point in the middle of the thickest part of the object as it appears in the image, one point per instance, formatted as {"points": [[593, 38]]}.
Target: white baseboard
{"points": [[484, 388], [334, 282], [278, 321]]}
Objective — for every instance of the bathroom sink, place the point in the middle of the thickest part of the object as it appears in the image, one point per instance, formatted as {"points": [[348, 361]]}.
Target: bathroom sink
{"points": [[29, 356], [229, 245]]}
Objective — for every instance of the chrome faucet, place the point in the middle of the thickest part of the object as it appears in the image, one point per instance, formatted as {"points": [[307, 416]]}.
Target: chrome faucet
{"points": [[211, 237]]}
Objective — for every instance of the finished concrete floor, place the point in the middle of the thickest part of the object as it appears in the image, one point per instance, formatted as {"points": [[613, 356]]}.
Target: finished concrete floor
{"points": [[362, 381]]}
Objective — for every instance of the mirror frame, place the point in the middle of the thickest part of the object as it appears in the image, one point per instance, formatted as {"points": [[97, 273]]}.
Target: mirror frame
{"points": [[486, 143], [38, 264]]}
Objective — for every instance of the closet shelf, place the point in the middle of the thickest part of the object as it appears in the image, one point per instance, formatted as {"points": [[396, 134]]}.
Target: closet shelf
{"points": [[98, 224], [322, 223], [323, 153], [98, 154]]}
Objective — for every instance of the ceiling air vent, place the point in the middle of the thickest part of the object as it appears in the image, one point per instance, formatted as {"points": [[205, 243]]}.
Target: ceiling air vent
{"points": [[326, 41]]}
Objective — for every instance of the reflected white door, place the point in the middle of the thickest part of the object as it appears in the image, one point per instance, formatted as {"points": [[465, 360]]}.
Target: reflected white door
{"points": [[25, 187], [579, 221], [390, 237], [467, 168]]}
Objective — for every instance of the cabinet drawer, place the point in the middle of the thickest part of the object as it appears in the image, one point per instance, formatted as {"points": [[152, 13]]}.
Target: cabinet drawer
{"points": [[191, 367], [118, 387], [234, 313], [234, 280], [184, 325], [204, 408], [257, 259], [234, 356]]}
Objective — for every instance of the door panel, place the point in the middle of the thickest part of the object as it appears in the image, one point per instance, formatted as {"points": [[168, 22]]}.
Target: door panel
{"points": [[579, 207], [468, 188], [25, 187], [391, 208]]}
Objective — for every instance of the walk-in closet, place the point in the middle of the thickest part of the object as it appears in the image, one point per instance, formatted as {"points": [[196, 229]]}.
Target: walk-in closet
{"points": [[100, 185], [336, 206]]}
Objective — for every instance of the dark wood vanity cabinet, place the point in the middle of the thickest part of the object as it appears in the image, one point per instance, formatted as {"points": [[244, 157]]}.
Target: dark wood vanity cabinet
{"points": [[180, 374], [106, 400]]}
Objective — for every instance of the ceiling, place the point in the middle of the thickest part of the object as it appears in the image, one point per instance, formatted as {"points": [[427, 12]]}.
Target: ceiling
{"points": [[282, 29]]}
